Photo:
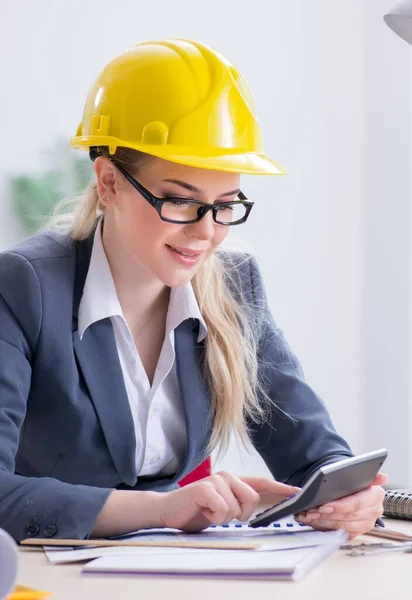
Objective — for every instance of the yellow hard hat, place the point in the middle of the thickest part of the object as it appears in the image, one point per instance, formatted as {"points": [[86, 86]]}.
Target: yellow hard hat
{"points": [[178, 100]]}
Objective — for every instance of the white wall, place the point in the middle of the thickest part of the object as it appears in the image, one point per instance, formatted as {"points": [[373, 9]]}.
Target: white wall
{"points": [[332, 89], [385, 322]]}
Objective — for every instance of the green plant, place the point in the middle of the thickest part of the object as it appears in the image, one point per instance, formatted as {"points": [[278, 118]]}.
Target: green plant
{"points": [[34, 197]]}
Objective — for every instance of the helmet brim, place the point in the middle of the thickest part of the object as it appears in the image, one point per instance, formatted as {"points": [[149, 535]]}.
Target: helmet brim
{"points": [[247, 163]]}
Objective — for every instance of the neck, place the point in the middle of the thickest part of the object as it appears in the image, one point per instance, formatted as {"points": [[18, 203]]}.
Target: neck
{"points": [[139, 292]]}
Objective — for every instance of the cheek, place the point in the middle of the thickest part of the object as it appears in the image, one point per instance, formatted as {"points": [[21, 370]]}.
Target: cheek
{"points": [[221, 233], [140, 224]]}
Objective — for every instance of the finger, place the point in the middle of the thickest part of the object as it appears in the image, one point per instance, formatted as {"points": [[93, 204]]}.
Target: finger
{"points": [[264, 484], [380, 479], [350, 504], [360, 515], [246, 497], [224, 485], [354, 528], [211, 503], [271, 499]]}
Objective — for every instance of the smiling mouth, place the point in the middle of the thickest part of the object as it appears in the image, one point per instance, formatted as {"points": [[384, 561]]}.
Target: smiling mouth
{"points": [[186, 251], [185, 256]]}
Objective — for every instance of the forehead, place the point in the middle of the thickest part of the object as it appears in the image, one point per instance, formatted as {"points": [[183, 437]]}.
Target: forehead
{"points": [[206, 180]]}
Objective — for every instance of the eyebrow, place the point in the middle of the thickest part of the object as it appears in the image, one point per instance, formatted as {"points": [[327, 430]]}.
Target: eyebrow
{"points": [[193, 188]]}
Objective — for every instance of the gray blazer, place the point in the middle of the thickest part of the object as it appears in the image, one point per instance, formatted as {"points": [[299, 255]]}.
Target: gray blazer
{"points": [[66, 432]]}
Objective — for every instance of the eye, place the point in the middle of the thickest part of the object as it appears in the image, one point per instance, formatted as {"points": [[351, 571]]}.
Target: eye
{"points": [[223, 207], [177, 201]]}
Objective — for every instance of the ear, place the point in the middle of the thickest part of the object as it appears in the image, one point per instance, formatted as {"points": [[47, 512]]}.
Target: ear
{"points": [[106, 180]]}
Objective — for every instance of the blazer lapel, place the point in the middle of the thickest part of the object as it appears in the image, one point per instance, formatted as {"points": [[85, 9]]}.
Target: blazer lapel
{"points": [[196, 397], [99, 361]]}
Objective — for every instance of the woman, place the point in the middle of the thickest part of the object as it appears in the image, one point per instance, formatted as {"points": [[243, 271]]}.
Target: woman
{"points": [[130, 347]]}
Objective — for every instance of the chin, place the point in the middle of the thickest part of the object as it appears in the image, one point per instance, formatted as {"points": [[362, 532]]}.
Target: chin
{"points": [[177, 277]]}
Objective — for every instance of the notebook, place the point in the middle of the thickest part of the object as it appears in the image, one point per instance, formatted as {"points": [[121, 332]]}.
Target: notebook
{"points": [[398, 504], [176, 538], [262, 539], [240, 564]]}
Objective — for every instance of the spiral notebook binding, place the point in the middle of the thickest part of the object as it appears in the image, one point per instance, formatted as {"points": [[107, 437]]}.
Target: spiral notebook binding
{"points": [[398, 504]]}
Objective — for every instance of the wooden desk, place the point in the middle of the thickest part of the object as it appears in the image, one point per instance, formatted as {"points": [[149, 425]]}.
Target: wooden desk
{"points": [[339, 577]]}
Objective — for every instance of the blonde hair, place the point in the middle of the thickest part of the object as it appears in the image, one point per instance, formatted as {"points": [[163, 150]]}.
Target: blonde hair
{"points": [[231, 352]]}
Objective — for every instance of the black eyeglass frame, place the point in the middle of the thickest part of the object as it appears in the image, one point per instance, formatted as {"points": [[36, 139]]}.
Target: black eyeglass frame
{"points": [[204, 207]]}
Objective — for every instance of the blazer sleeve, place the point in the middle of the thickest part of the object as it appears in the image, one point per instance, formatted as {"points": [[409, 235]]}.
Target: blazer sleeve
{"points": [[31, 506], [297, 436]]}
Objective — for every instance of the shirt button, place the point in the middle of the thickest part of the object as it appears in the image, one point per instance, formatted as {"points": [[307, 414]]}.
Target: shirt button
{"points": [[154, 460], [32, 529], [50, 530]]}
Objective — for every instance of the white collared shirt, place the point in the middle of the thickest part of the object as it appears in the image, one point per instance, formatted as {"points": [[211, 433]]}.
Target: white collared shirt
{"points": [[157, 410]]}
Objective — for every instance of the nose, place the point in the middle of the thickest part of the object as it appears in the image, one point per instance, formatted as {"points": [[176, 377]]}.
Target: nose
{"points": [[203, 229]]}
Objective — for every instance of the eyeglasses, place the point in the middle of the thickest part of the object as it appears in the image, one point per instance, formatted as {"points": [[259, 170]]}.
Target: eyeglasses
{"points": [[186, 210]]}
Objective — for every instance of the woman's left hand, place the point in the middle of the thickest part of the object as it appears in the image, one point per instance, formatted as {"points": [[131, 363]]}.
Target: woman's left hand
{"points": [[356, 513]]}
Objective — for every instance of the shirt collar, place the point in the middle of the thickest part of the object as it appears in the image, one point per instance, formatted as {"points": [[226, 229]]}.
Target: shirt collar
{"points": [[100, 300], [183, 305]]}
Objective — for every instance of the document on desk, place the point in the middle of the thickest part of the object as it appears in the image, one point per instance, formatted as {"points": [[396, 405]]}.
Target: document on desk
{"points": [[263, 539], [291, 563]]}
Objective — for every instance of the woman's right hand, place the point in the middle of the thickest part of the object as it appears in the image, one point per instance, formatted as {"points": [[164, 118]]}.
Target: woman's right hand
{"points": [[216, 500]]}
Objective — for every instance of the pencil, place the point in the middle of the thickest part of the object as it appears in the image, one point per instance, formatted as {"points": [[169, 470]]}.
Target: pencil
{"points": [[389, 534], [96, 543]]}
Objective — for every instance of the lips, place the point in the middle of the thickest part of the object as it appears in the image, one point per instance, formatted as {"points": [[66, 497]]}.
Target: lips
{"points": [[186, 251], [187, 257]]}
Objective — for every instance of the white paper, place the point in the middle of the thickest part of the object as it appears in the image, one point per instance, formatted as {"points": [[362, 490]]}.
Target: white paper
{"points": [[285, 525], [284, 564], [8, 563], [266, 537], [62, 555]]}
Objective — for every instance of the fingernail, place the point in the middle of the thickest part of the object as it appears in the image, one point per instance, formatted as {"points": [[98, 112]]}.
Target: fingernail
{"points": [[326, 509]]}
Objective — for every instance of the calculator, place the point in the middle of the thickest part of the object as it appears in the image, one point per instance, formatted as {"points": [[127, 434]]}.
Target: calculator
{"points": [[330, 482]]}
